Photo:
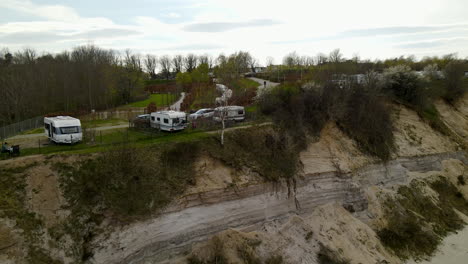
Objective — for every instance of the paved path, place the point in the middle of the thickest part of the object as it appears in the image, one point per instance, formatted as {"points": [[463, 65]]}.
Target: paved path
{"points": [[262, 87], [176, 106]]}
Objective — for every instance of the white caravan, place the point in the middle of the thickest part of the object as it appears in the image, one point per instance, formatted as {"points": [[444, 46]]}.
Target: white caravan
{"points": [[63, 129], [168, 120], [232, 112]]}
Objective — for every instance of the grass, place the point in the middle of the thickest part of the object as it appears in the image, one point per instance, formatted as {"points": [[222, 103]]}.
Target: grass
{"points": [[114, 138], [103, 122], [161, 99], [33, 131], [13, 206], [417, 223], [84, 123]]}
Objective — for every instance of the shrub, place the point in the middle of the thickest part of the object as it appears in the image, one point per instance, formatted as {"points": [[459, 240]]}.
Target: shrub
{"points": [[151, 107], [366, 119], [405, 85], [326, 256], [131, 182], [358, 111], [267, 151], [455, 83], [416, 223]]}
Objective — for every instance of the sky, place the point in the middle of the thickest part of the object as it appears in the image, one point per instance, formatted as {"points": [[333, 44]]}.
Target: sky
{"points": [[370, 29]]}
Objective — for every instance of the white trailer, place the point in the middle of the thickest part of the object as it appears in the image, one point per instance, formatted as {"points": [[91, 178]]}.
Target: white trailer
{"points": [[63, 129], [232, 112], [168, 120]]}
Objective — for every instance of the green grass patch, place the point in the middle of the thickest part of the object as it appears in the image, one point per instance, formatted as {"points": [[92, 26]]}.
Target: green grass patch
{"points": [[160, 99], [103, 122], [33, 131], [417, 223]]}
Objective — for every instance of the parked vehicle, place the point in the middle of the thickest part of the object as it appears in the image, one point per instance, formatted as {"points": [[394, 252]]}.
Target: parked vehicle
{"points": [[202, 113], [233, 112], [168, 120], [142, 121], [63, 129]]}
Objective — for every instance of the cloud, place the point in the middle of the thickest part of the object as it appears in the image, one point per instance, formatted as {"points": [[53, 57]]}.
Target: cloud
{"points": [[52, 12], [432, 43], [226, 26], [196, 47], [31, 37], [107, 33], [172, 15], [380, 32]]}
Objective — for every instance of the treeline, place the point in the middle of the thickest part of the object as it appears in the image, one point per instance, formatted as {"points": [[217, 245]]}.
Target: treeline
{"points": [[322, 67], [361, 109], [86, 78]]}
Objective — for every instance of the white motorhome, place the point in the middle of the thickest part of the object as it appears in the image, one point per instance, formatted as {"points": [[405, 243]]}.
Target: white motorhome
{"points": [[168, 120], [63, 129], [232, 112]]}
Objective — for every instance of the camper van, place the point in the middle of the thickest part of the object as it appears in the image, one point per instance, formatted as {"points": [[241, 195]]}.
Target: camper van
{"points": [[63, 129], [233, 112], [168, 120]]}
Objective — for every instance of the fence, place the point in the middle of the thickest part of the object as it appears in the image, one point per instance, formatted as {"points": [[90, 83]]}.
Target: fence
{"points": [[15, 129]]}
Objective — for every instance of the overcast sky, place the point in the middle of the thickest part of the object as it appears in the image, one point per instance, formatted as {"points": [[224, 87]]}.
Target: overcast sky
{"points": [[367, 28]]}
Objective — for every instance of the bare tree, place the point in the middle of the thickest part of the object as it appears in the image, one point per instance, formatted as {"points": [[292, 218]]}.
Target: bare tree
{"points": [[165, 63], [335, 56], [253, 62], [151, 64], [321, 59], [223, 110], [190, 62], [177, 62], [290, 59], [270, 61], [203, 59]]}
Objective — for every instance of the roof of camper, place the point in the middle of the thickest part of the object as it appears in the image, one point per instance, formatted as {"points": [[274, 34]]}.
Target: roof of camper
{"points": [[64, 119], [171, 113], [229, 107]]}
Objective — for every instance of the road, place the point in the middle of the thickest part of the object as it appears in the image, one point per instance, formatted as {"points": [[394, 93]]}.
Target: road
{"points": [[176, 106], [262, 86]]}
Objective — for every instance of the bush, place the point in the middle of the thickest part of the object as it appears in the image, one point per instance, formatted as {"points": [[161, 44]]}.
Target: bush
{"points": [[131, 182], [266, 151], [455, 82], [416, 223], [366, 119], [359, 112], [405, 85], [326, 256]]}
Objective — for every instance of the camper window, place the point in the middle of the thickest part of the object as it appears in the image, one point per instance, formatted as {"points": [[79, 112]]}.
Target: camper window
{"points": [[166, 121], [175, 121], [159, 119], [69, 130], [152, 118], [240, 112]]}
